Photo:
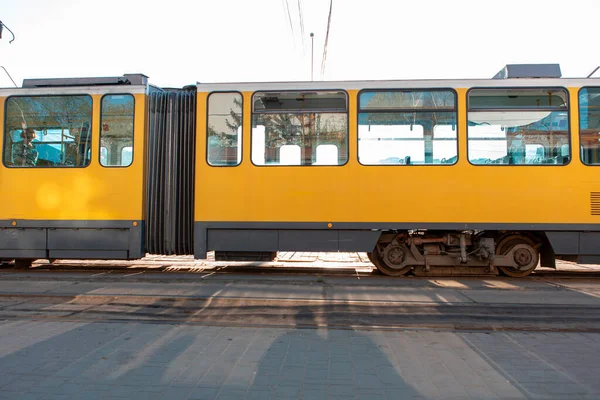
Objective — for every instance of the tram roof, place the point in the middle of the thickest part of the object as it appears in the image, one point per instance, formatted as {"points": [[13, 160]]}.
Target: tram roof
{"points": [[138, 83], [397, 84]]}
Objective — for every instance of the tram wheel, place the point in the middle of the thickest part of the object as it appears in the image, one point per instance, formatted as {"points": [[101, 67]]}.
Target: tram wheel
{"points": [[526, 256], [370, 256], [385, 269]]}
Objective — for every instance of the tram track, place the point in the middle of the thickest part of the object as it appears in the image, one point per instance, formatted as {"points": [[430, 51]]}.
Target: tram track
{"points": [[247, 312], [564, 301]]}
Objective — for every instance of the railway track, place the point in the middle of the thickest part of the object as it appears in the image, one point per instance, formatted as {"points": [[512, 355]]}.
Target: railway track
{"points": [[243, 312], [248, 297]]}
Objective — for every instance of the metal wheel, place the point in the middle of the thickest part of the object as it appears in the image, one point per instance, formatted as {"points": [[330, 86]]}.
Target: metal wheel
{"points": [[370, 256], [383, 267], [525, 255]]}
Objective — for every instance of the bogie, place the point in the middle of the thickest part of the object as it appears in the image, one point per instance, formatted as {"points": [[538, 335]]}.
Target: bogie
{"points": [[455, 253]]}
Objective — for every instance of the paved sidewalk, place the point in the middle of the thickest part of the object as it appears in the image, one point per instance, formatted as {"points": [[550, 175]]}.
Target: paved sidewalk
{"points": [[67, 360]]}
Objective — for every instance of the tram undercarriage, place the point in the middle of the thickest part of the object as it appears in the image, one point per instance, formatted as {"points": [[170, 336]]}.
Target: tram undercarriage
{"points": [[428, 253]]}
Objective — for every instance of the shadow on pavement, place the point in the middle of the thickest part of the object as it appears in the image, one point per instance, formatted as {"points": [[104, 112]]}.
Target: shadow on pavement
{"points": [[322, 363]]}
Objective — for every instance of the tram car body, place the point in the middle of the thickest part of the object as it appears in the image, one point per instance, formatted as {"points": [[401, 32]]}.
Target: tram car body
{"points": [[72, 169], [429, 176]]}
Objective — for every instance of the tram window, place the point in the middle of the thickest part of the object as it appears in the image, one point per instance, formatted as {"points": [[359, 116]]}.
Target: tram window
{"points": [[517, 99], [444, 143], [290, 154], [407, 100], [300, 101], [126, 155], [47, 131], [405, 127], [389, 144], [518, 127], [224, 136], [589, 125], [116, 133], [300, 128], [487, 142], [103, 155], [534, 153], [327, 154]]}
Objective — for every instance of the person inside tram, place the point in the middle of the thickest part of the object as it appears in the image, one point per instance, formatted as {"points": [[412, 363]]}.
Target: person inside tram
{"points": [[24, 153]]}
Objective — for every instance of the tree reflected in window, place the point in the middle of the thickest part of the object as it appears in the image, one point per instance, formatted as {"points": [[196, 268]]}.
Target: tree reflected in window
{"points": [[47, 131]]}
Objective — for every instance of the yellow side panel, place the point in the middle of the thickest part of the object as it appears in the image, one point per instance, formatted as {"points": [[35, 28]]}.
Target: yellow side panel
{"points": [[462, 193], [91, 193]]}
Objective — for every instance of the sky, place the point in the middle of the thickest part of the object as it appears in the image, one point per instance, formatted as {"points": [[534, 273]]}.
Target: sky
{"points": [[178, 42]]}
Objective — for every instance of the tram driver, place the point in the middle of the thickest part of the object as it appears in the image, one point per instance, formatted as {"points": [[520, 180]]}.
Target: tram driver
{"points": [[24, 153]]}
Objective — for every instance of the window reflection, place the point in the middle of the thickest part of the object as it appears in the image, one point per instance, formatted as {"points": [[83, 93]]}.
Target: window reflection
{"points": [[47, 131], [116, 134], [406, 128], [589, 125], [499, 133], [296, 128], [224, 146], [273, 134]]}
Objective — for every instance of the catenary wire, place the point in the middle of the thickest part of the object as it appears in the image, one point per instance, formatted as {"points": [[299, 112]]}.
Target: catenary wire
{"points": [[326, 39]]}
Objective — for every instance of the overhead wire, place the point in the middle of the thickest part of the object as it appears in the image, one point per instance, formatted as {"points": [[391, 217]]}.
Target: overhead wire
{"points": [[326, 39], [12, 80], [301, 22], [23, 122], [286, 7]]}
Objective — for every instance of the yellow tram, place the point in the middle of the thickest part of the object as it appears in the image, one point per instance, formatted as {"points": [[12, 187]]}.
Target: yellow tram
{"points": [[424, 175], [74, 190]]}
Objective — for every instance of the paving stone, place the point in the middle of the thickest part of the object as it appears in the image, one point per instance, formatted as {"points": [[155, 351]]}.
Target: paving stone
{"points": [[231, 394], [203, 393], [286, 392], [136, 360], [367, 381], [259, 395], [315, 394], [31, 396]]}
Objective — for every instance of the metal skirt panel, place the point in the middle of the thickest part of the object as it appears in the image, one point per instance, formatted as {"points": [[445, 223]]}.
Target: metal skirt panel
{"points": [[170, 173]]}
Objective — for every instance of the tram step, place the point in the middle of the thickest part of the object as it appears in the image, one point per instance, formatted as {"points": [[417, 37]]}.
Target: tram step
{"points": [[245, 255]]}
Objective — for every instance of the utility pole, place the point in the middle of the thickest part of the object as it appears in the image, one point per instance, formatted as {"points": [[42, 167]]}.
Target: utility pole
{"points": [[312, 53]]}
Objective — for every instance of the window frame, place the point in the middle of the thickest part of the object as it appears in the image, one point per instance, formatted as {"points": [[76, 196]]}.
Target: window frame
{"points": [[4, 141], [346, 113], [455, 110], [568, 110], [100, 133], [206, 129], [579, 123]]}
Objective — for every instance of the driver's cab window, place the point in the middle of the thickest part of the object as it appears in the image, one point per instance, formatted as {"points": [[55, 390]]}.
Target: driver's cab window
{"points": [[47, 131]]}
